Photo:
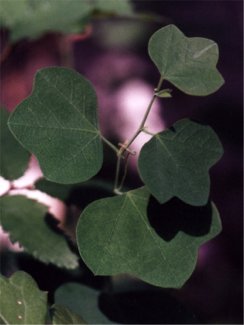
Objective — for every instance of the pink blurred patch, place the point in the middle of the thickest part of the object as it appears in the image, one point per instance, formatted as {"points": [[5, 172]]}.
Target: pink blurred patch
{"points": [[132, 101], [31, 175], [4, 186], [56, 207], [5, 242]]}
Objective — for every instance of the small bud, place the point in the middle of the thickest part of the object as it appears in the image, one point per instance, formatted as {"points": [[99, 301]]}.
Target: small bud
{"points": [[164, 93]]}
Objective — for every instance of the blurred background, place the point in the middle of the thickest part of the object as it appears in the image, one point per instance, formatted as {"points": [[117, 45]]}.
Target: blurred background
{"points": [[112, 52]]}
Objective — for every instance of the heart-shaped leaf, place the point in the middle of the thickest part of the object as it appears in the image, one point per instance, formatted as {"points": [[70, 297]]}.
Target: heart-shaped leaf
{"points": [[63, 315], [58, 124], [189, 63], [176, 162], [24, 220], [83, 301], [114, 236], [21, 300], [14, 158]]}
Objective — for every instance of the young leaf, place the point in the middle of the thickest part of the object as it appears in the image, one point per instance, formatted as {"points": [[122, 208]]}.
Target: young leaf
{"points": [[164, 93], [63, 315], [189, 63], [21, 300], [58, 123], [24, 220], [114, 236], [81, 300], [176, 162], [14, 158]]}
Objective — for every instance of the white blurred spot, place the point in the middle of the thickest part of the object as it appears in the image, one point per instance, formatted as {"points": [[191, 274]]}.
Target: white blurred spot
{"points": [[4, 186], [133, 99], [31, 175]]}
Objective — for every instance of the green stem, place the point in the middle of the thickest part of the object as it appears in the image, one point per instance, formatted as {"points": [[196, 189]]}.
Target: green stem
{"points": [[124, 148], [125, 171], [110, 144]]}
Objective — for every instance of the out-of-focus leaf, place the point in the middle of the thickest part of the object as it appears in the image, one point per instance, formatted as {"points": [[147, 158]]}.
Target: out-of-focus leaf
{"points": [[62, 191], [189, 63], [63, 315], [115, 236], [120, 7], [81, 300], [176, 162], [21, 300], [32, 18], [24, 220], [58, 123], [14, 158]]}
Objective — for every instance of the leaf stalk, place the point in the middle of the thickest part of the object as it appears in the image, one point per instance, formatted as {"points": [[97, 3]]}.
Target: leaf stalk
{"points": [[125, 147]]}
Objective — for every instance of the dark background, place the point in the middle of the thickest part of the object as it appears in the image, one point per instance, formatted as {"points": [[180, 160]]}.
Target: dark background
{"points": [[214, 292]]}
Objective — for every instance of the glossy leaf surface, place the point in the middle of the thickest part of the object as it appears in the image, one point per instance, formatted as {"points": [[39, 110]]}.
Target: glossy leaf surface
{"points": [[14, 158], [176, 162], [21, 300], [81, 300], [58, 124], [63, 315], [114, 236], [24, 220], [189, 63]]}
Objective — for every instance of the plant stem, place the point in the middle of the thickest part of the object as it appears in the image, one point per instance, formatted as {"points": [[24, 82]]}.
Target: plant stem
{"points": [[114, 148], [127, 144]]}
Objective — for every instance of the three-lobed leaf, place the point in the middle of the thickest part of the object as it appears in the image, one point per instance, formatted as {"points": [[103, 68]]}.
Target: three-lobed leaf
{"points": [[24, 220], [58, 124], [189, 63], [176, 162], [82, 300], [114, 236], [14, 158], [21, 300]]}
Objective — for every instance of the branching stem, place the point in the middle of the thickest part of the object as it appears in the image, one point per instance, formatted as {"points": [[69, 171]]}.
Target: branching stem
{"points": [[124, 148], [113, 147]]}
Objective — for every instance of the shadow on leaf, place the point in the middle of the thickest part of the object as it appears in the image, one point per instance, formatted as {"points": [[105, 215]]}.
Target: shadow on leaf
{"points": [[169, 218]]}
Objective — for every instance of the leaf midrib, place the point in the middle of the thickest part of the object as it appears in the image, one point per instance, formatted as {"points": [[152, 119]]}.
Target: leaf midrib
{"points": [[62, 95]]}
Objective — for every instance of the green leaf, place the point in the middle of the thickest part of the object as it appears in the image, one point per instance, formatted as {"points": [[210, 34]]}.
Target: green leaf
{"points": [[58, 123], [21, 300], [24, 220], [32, 18], [114, 236], [120, 7], [176, 162], [63, 315], [189, 63], [81, 300], [62, 191], [14, 158]]}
